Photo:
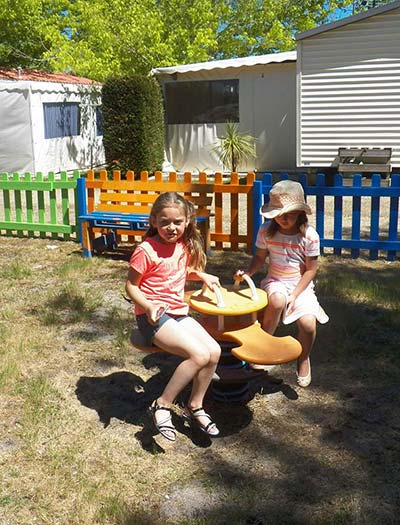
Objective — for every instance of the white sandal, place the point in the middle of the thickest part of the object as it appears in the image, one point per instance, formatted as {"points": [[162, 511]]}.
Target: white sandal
{"points": [[163, 425], [194, 414]]}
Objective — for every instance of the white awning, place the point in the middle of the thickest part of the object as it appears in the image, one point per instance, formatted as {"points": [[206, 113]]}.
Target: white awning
{"points": [[288, 56]]}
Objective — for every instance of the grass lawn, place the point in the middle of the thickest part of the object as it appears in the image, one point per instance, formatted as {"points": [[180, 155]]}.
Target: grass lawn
{"points": [[76, 444]]}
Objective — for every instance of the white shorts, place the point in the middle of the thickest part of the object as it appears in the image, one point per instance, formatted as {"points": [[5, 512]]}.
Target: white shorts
{"points": [[306, 303]]}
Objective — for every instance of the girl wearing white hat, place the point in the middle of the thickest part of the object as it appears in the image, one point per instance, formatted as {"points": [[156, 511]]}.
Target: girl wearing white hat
{"points": [[292, 247]]}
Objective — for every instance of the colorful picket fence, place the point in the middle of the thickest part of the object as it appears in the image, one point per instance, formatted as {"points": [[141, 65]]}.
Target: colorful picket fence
{"points": [[45, 206], [231, 223], [38, 206], [377, 238]]}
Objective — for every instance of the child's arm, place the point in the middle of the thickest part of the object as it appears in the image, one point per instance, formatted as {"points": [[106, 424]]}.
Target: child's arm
{"points": [[208, 279], [132, 289], [311, 266], [256, 263]]}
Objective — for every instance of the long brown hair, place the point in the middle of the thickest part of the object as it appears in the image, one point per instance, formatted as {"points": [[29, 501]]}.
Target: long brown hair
{"points": [[301, 223], [191, 236]]}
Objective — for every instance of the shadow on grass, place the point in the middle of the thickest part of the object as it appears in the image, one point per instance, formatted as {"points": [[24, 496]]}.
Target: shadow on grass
{"points": [[125, 396]]}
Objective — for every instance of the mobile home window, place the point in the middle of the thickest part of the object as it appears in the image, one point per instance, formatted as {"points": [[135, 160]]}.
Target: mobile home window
{"points": [[61, 119], [202, 102], [99, 121]]}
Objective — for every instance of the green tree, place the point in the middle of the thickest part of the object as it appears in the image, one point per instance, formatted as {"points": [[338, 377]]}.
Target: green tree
{"points": [[29, 31], [189, 30], [363, 5], [254, 27], [100, 38]]}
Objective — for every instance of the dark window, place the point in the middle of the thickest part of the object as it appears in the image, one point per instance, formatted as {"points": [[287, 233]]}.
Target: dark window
{"points": [[99, 121], [61, 119], [201, 102]]}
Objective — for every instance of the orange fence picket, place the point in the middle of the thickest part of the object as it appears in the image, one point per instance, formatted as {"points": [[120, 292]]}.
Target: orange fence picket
{"points": [[231, 217]]}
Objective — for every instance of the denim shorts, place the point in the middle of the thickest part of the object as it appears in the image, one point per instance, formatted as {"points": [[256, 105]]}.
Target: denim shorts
{"points": [[149, 330]]}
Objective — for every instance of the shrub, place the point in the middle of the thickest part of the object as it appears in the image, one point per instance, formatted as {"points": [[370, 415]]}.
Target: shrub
{"points": [[133, 127], [235, 147]]}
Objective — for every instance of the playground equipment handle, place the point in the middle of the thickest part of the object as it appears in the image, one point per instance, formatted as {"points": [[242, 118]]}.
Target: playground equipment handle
{"points": [[218, 294], [252, 286]]}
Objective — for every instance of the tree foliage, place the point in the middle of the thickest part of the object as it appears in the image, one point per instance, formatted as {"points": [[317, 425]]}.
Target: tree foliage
{"points": [[99, 38], [133, 123]]}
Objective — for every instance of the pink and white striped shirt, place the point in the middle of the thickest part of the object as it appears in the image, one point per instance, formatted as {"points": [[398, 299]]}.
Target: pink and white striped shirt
{"points": [[287, 253], [287, 257]]}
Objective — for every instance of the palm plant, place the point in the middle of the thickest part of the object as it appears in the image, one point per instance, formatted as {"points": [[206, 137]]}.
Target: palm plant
{"points": [[235, 147]]}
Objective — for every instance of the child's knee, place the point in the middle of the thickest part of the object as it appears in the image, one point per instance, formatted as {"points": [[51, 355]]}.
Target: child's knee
{"points": [[215, 353], [207, 355], [276, 302], [308, 325], [201, 359]]}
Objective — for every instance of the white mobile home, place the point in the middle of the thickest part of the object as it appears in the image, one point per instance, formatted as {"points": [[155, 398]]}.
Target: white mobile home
{"points": [[259, 93], [348, 86], [49, 122]]}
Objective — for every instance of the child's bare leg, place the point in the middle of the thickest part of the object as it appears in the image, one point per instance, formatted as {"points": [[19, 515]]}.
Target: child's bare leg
{"points": [[273, 312], [179, 338], [306, 336], [202, 380]]}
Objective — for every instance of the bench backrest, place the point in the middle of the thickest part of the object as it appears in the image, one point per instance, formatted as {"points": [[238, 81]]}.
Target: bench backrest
{"points": [[137, 197]]}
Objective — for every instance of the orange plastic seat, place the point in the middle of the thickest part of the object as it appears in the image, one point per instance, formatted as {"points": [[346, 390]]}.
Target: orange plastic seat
{"points": [[261, 348], [221, 375]]}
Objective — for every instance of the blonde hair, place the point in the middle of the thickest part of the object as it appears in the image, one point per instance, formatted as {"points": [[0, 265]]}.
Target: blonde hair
{"points": [[301, 223], [191, 236]]}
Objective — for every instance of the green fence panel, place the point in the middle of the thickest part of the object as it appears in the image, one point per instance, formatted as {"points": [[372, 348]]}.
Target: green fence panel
{"points": [[38, 205], [29, 203]]}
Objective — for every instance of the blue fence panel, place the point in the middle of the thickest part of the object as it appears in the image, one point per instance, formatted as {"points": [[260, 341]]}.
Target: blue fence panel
{"points": [[394, 217], [375, 192], [356, 222], [338, 214]]}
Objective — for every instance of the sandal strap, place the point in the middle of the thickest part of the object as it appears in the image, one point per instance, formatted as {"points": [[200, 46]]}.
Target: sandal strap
{"points": [[199, 412], [209, 425], [164, 422], [162, 428], [163, 425], [196, 413]]}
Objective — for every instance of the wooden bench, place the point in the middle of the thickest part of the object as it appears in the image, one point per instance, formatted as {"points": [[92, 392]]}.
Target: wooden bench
{"points": [[124, 206], [365, 160]]}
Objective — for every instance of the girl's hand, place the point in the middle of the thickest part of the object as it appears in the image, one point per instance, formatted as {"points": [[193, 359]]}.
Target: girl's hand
{"points": [[290, 303], [239, 275], [154, 311], [210, 280]]}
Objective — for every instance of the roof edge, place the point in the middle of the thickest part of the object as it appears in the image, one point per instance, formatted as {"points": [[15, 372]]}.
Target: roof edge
{"points": [[348, 20], [35, 75], [286, 56]]}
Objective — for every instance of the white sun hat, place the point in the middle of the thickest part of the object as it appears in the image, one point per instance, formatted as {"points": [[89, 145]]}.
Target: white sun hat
{"points": [[285, 196]]}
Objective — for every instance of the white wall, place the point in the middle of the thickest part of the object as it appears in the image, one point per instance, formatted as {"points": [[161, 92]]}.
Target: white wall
{"points": [[274, 110], [25, 120], [267, 105], [16, 152], [349, 89]]}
